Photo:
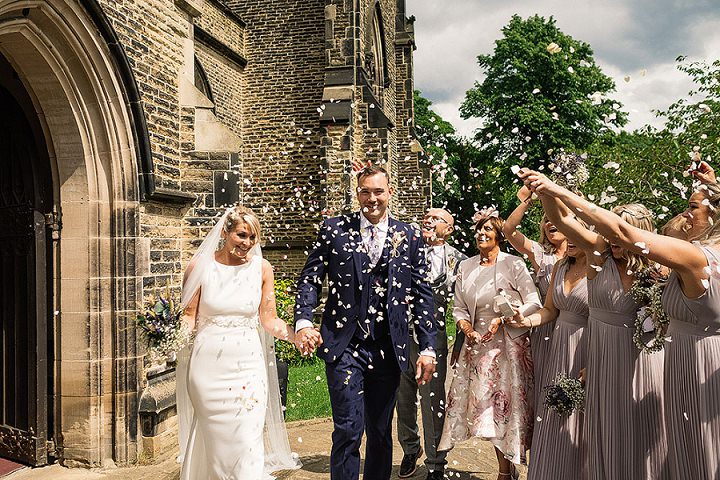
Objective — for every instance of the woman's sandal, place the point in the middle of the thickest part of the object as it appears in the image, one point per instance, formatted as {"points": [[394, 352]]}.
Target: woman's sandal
{"points": [[515, 475]]}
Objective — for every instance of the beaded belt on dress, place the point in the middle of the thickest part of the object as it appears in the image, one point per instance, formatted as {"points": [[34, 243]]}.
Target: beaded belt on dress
{"points": [[230, 321]]}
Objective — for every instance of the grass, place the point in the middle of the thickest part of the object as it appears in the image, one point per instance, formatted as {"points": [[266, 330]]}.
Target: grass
{"points": [[307, 395]]}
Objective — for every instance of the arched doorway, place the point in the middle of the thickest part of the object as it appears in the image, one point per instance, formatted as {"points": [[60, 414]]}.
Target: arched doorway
{"points": [[62, 55], [25, 277]]}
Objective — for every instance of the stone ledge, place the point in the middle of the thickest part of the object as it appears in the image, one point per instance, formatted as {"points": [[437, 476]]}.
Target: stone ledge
{"points": [[208, 39]]}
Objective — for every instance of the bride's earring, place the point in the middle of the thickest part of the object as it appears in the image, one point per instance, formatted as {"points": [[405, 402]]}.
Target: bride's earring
{"points": [[221, 245]]}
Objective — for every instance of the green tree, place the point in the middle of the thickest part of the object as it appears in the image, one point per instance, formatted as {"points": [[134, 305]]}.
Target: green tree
{"points": [[460, 183], [542, 92], [649, 165]]}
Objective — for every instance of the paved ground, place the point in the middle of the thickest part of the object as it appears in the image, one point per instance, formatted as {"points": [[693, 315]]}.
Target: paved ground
{"points": [[473, 460]]}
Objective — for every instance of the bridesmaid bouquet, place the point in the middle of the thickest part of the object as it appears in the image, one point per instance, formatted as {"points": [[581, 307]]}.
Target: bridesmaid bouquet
{"points": [[647, 290], [569, 170], [162, 325], [565, 395]]}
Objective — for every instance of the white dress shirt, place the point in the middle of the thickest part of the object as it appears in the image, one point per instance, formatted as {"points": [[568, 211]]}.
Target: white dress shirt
{"points": [[381, 230], [436, 259]]}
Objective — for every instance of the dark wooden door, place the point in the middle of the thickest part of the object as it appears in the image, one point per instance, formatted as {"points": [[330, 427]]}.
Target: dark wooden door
{"points": [[24, 297]]}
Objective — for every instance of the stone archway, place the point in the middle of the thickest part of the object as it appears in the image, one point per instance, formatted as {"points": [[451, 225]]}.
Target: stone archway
{"points": [[80, 101]]}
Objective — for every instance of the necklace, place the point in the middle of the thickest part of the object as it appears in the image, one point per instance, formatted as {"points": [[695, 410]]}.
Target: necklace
{"points": [[488, 260]]}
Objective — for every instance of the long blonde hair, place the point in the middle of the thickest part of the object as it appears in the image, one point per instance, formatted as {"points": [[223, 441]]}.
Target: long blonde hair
{"points": [[637, 215], [543, 240]]}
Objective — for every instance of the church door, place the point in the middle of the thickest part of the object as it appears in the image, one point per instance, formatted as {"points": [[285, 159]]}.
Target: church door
{"points": [[25, 308]]}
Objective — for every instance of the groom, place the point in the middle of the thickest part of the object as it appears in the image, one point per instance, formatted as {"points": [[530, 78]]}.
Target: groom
{"points": [[375, 268]]}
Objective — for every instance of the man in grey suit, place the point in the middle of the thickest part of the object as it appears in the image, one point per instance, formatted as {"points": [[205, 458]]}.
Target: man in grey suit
{"points": [[443, 261]]}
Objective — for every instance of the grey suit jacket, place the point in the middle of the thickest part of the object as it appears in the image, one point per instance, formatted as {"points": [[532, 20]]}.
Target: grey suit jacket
{"points": [[443, 288]]}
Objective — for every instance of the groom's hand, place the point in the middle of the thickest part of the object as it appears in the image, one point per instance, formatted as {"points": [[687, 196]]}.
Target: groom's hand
{"points": [[425, 367], [307, 340]]}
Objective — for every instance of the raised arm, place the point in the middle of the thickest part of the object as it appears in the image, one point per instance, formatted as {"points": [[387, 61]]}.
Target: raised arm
{"points": [[520, 242], [269, 319], [561, 216], [683, 257]]}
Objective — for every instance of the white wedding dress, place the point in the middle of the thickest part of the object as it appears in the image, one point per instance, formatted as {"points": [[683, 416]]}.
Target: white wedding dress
{"points": [[227, 378]]}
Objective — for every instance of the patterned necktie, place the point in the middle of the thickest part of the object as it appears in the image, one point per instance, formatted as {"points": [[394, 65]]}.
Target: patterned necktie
{"points": [[373, 245]]}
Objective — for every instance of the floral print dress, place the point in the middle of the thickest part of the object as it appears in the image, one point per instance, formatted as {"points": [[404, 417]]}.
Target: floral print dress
{"points": [[491, 395]]}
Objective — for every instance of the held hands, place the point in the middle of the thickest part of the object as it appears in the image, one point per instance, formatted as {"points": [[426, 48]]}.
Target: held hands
{"points": [[424, 369], [307, 340]]}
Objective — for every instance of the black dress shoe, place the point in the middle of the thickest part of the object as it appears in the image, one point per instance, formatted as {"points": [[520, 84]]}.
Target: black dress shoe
{"points": [[436, 475], [409, 464]]}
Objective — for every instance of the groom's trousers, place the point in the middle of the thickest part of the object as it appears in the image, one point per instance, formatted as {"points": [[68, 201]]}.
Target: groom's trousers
{"points": [[363, 384]]}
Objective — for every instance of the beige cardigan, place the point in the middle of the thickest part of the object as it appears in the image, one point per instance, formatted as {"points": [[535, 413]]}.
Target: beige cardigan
{"points": [[513, 278]]}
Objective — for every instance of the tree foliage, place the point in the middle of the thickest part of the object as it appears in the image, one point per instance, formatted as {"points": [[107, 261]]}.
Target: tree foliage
{"points": [[542, 92], [647, 166]]}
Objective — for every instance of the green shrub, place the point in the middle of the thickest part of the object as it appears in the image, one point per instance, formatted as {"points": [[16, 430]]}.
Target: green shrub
{"points": [[285, 300]]}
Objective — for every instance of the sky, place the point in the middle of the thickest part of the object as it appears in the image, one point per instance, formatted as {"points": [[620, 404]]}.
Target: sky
{"points": [[635, 42]]}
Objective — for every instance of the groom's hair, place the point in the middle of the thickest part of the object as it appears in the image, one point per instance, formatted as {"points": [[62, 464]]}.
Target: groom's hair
{"points": [[371, 170]]}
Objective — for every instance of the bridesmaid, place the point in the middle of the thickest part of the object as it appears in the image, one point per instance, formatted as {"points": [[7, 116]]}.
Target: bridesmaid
{"points": [[692, 301], [557, 443], [624, 420], [550, 247]]}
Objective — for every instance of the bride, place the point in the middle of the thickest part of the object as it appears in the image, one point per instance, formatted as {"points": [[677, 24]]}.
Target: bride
{"points": [[231, 421]]}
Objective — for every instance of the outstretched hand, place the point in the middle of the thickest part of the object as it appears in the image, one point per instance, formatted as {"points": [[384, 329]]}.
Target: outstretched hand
{"points": [[307, 340], [424, 369], [539, 183], [703, 172]]}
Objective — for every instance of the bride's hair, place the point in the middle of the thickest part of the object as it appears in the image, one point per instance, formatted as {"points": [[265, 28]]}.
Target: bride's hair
{"points": [[245, 215]]}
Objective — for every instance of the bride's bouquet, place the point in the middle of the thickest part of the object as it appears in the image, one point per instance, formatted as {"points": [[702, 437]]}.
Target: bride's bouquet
{"points": [[161, 323], [565, 395]]}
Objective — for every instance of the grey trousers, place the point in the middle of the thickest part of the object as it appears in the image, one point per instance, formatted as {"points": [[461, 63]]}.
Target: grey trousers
{"points": [[432, 408]]}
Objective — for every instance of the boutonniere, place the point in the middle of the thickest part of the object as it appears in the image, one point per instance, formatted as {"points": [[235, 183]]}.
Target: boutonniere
{"points": [[452, 261], [396, 240]]}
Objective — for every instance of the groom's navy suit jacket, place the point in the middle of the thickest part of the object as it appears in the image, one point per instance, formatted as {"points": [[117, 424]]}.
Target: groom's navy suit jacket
{"points": [[339, 255]]}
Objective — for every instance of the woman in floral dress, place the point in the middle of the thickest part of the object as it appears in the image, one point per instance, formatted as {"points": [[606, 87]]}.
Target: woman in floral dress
{"points": [[491, 395]]}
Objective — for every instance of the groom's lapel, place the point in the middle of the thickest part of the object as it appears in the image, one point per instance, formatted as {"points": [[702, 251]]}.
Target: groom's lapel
{"points": [[356, 245], [393, 258]]}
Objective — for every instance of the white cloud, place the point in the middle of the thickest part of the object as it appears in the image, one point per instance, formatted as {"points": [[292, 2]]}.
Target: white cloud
{"points": [[627, 37]]}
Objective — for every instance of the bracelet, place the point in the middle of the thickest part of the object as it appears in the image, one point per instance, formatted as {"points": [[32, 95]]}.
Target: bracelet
{"points": [[467, 331]]}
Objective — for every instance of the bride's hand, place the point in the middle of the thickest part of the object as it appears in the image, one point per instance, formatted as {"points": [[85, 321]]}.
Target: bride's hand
{"points": [[307, 340]]}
